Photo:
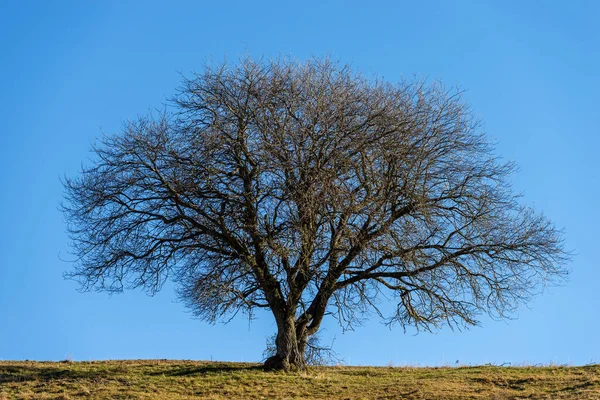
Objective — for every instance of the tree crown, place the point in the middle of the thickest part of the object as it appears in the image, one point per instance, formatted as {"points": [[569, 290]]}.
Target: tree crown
{"points": [[306, 188]]}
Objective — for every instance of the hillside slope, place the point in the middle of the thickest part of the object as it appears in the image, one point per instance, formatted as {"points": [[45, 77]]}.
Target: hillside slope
{"points": [[161, 379]]}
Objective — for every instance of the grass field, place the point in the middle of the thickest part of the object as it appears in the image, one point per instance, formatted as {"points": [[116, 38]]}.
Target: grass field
{"points": [[160, 379]]}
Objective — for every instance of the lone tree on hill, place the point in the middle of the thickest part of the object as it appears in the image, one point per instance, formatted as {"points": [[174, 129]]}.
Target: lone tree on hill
{"points": [[310, 190]]}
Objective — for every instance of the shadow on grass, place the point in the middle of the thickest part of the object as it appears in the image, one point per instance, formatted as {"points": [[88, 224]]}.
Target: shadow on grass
{"points": [[21, 373], [211, 369], [577, 388], [25, 373]]}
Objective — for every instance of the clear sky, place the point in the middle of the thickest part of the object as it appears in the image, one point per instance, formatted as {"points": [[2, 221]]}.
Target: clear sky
{"points": [[71, 69]]}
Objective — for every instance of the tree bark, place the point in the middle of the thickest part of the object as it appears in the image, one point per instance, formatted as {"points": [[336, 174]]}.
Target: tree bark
{"points": [[290, 348]]}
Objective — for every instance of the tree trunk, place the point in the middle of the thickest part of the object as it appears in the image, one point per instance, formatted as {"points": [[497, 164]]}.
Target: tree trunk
{"points": [[290, 349]]}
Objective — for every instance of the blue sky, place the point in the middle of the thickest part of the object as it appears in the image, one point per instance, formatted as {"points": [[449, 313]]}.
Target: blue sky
{"points": [[70, 70]]}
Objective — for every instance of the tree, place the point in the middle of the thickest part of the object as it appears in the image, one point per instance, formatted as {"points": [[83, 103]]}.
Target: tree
{"points": [[308, 189]]}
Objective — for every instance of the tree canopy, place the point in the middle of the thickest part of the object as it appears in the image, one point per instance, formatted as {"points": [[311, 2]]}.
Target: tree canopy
{"points": [[308, 189]]}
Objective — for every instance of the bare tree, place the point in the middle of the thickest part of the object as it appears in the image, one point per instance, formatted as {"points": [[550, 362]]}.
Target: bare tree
{"points": [[308, 189]]}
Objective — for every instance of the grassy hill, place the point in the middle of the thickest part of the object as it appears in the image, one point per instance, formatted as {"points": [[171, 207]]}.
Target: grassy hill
{"points": [[160, 379]]}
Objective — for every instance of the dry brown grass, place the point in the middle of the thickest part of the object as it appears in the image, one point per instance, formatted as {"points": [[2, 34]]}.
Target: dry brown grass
{"points": [[161, 379]]}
